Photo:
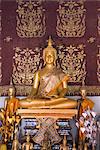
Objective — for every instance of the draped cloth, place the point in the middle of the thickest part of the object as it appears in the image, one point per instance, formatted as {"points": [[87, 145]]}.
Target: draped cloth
{"points": [[47, 127], [51, 83]]}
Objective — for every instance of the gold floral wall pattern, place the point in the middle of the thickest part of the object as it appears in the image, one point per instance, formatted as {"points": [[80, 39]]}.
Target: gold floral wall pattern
{"points": [[98, 64], [71, 18], [30, 19], [26, 62], [72, 60]]}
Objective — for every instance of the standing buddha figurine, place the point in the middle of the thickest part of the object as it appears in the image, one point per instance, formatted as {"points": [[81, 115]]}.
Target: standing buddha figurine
{"points": [[27, 145], [15, 144], [12, 103], [86, 102]]}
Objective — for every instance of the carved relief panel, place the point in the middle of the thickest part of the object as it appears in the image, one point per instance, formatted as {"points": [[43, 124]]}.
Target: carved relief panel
{"points": [[71, 18], [26, 62], [73, 62], [30, 19]]}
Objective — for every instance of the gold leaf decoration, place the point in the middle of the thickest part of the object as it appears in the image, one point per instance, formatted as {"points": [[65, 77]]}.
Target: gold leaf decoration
{"points": [[72, 90], [30, 19], [72, 61], [8, 39], [91, 40], [26, 62], [98, 64], [71, 18]]}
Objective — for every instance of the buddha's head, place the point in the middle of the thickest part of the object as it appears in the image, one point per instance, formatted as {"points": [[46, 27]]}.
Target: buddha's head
{"points": [[83, 93], [11, 91], [49, 53], [15, 137], [28, 138]]}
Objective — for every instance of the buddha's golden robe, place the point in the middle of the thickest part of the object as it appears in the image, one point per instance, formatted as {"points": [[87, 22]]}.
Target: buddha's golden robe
{"points": [[48, 92], [51, 83]]}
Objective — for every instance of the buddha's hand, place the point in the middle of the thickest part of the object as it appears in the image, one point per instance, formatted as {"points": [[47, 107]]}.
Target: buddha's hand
{"points": [[55, 96], [29, 99]]}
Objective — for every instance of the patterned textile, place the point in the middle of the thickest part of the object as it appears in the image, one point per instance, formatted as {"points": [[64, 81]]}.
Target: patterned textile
{"points": [[47, 127]]}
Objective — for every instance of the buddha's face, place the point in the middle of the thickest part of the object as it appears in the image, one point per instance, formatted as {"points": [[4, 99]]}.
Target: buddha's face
{"points": [[28, 138], [49, 58], [83, 93], [11, 91]]}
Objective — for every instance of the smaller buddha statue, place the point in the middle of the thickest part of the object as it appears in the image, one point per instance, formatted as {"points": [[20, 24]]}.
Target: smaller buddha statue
{"points": [[12, 103], [64, 145], [27, 145], [15, 144], [86, 102]]}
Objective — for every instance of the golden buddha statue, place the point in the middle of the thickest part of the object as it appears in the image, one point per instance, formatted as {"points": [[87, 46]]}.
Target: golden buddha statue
{"points": [[50, 85], [15, 144], [12, 103], [27, 145], [86, 102]]}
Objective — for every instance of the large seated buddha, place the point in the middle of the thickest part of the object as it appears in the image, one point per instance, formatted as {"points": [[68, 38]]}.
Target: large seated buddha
{"points": [[50, 85]]}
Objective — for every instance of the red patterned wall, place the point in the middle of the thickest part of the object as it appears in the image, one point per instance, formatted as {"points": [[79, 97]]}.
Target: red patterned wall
{"points": [[89, 40]]}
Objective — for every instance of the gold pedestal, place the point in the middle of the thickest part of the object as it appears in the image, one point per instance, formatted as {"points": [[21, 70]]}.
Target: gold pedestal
{"points": [[52, 113]]}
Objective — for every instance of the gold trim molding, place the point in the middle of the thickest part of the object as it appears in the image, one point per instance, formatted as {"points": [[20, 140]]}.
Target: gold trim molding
{"points": [[72, 90]]}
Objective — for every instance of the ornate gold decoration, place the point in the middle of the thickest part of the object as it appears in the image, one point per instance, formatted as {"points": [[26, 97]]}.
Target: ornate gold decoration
{"points": [[71, 18], [30, 19], [98, 21], [91, 40], [8, 124], [7, 39], [72, 90], [72, 60], [98, 64], [26, 62]]}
